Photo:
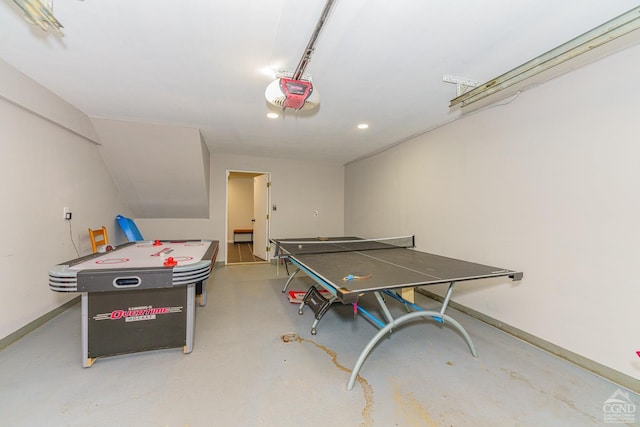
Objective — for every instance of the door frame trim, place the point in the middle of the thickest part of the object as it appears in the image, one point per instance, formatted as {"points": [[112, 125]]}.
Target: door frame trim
{"points": [[226, 210]]}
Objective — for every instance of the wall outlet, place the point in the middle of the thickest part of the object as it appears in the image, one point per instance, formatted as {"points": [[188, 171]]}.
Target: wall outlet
{"points": [[66, 212]]}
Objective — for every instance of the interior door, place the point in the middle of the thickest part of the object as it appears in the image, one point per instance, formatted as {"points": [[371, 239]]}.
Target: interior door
{"points": [[261, 216]]}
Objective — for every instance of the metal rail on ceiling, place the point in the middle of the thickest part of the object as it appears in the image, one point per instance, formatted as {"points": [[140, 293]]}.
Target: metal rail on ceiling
{"points": [[587, 42]]}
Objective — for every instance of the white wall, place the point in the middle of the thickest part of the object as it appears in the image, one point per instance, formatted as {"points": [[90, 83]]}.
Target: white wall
{"points": [[240, 200], [298, 189], [548, 185], [43, 168], [32, 96]]}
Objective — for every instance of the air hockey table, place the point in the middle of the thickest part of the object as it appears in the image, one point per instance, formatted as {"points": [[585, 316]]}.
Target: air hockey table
{"points": [[140, 296]]}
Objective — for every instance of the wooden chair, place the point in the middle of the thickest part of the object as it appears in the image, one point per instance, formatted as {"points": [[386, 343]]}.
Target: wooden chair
{"points": [[98, 238]]}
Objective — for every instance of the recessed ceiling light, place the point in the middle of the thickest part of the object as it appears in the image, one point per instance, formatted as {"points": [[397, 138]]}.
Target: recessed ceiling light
{"points": [[363, 126], [273, 115], [268, 71]]}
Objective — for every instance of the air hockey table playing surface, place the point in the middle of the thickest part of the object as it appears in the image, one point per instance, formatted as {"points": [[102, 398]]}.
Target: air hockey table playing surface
{"points": [[138, 297]]}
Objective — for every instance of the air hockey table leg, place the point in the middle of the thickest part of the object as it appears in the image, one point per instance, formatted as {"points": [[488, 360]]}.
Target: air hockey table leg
{"points": [[191, 311], [84, 304], [202, 296]]}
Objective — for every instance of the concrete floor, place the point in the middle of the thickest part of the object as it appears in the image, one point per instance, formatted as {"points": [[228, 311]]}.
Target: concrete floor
{"points": [[242, 372]]}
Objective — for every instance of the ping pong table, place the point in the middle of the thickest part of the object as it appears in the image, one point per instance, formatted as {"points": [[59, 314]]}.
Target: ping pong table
{"points": [[350, 267]]}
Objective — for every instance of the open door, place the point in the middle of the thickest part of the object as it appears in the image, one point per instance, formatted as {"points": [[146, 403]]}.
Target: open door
{"points": [[247, 221], [261, 188]]}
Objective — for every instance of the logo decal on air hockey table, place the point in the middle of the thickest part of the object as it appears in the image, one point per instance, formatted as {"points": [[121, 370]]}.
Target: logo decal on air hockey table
{"points": [[136, 314], [166, 251], [112, 261]]}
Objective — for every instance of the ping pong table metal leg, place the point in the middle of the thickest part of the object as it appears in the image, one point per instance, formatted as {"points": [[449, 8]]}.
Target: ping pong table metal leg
{"points": [[447, 297], [314, 326], [383, 306], [318, 304], [411, 306], [303, 303], [397, 322], [286, 285]]}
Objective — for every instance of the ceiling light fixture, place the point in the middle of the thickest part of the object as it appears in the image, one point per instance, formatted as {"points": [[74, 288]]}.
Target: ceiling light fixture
{"points": [[585, 43], [363, 126], [40, 14], [273, 115]]}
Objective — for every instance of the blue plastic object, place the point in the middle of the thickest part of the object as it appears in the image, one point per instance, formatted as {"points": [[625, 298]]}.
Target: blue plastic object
{"points": [[129, 228]]}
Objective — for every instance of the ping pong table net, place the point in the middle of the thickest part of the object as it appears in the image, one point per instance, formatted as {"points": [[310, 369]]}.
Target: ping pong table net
{"points": [[307, 247]]}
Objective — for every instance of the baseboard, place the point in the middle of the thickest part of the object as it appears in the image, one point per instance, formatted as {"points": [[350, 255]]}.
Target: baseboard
{"points": [[585, 363], [588, 364], [32, 326]]}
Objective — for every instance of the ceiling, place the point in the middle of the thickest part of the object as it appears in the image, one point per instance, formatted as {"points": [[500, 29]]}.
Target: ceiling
{"points": [[202, 63]]}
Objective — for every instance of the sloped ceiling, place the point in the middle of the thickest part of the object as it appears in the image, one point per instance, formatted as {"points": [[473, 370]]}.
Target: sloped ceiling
{"points": [[161, 171]]}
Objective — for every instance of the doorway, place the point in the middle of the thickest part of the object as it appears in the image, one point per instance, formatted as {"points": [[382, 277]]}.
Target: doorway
{"points": [[247, 217]]}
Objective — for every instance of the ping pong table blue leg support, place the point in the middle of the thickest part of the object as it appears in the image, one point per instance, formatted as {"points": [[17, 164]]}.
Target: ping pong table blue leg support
{"points": [[373, 319], [410, 304], [397, 322]]}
